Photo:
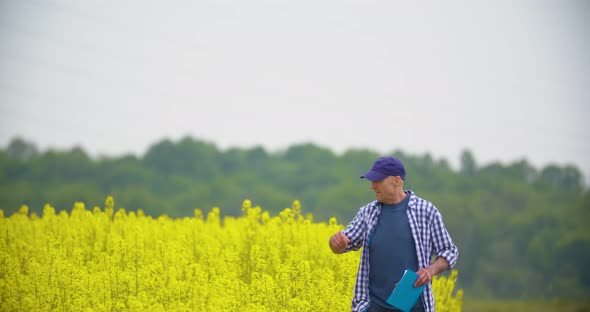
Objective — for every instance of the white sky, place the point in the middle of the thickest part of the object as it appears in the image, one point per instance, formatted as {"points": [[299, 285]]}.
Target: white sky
{"points": [[506, 79]]}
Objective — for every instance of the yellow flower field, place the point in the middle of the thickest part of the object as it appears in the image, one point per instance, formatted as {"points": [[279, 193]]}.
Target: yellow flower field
{"points": [[102, 260]]}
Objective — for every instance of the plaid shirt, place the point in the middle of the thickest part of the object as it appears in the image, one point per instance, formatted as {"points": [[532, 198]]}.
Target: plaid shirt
{"points": [[429, 233]]}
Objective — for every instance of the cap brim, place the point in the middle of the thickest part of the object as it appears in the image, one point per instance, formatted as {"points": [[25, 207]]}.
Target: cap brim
{"points": [[374, 176]]}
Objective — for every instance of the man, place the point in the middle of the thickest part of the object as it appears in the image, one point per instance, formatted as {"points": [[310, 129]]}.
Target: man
{"points": [[398, 231]]}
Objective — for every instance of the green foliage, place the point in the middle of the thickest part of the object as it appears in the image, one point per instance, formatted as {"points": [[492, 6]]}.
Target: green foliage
{"points": [[521, 231], [527, 305]]}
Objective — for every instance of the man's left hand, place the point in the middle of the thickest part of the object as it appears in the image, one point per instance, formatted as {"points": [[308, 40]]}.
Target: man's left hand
{"points": [[424, 276]]}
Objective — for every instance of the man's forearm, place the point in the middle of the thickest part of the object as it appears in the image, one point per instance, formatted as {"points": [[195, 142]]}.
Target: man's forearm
{"points": [[440, 265]]}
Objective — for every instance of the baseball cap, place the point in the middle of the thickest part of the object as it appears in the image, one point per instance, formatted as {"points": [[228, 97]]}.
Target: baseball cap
{"points": [[384, 167]]}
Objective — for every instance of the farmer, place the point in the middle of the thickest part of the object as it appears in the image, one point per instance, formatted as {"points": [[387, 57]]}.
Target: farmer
{"points": [[398, 231]]}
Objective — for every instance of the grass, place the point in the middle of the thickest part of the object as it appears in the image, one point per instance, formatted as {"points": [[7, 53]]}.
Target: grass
{"points": [[474, 305]]}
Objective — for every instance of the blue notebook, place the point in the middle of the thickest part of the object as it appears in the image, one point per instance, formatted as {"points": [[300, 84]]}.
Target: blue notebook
{"points": [[405, 295]]}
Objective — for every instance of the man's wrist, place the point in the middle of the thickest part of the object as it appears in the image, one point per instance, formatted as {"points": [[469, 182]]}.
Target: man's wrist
{"points": [[431, 271]]}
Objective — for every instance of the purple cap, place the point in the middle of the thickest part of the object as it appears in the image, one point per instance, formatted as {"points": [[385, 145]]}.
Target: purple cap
{"points": [[384, 167]]}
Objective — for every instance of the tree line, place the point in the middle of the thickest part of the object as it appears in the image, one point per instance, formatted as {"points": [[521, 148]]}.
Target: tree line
{"points": [[520, 230]]}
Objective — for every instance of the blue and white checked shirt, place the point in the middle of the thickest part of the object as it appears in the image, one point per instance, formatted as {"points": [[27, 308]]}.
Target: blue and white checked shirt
{"points": [[429, 233]]}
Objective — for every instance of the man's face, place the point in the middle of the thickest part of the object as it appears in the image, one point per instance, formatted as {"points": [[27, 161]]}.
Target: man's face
{"points": [[385, 189]]}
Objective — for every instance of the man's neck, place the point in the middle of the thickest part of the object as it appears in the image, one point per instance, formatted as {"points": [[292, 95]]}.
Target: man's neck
{"points": [[397, 198]]}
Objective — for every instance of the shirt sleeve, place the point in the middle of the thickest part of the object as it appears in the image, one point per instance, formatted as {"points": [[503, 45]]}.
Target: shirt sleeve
{"points": [[355, 230], [442, 242]]}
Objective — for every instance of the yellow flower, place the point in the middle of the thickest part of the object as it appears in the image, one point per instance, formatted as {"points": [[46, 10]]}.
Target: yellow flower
{"points": [[24, 210], [246, 205], [90, 261], [296, 207]]}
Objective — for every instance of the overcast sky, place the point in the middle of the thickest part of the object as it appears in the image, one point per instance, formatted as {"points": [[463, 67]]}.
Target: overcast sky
{"points": [[506, 79]]}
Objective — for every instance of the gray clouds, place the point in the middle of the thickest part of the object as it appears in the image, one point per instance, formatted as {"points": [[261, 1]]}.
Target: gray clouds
{"points": [[507, 80]]}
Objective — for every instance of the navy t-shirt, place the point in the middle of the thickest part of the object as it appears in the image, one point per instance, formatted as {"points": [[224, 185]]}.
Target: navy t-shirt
{"points": [[392, 250]]}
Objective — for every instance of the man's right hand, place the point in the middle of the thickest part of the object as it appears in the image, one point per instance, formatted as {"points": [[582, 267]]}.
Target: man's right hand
{"points": [[338, 242]]}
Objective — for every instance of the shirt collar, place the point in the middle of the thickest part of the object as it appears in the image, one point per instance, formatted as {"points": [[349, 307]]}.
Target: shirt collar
{"points": [[412, 202]]}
